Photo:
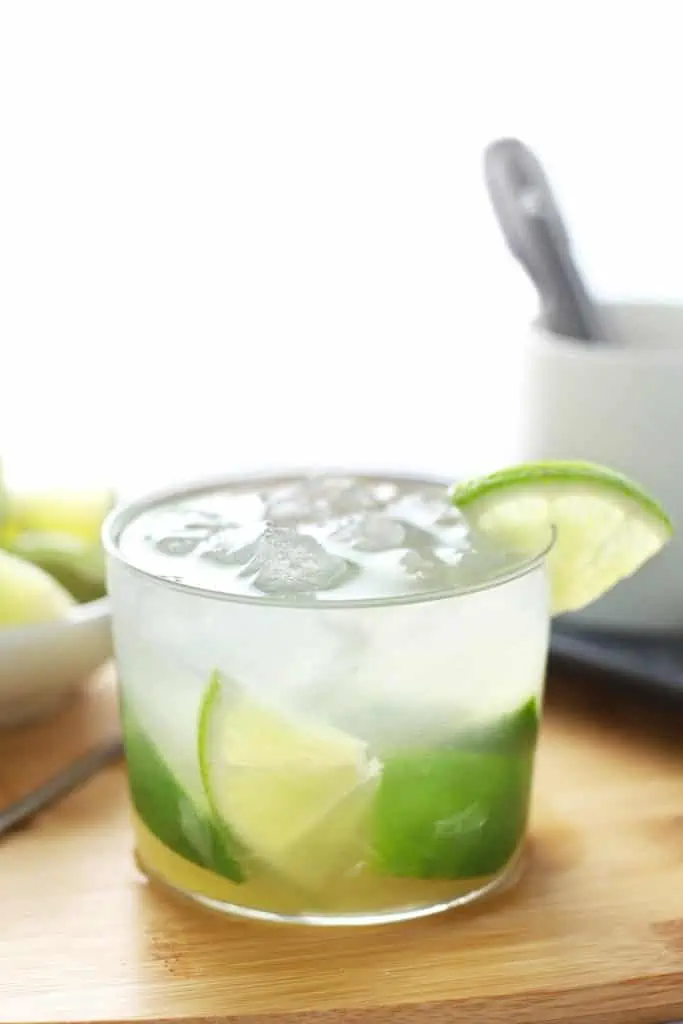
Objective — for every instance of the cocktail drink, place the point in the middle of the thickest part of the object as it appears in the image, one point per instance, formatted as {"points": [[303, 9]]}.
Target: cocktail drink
{"points": [[330, 691]]}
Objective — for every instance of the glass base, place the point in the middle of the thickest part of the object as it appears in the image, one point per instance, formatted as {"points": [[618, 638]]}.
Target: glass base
{"points": [[505, 880]]}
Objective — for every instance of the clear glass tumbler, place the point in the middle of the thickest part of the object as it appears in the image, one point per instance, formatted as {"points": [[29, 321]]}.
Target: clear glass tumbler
{"points": [[345, 762]]}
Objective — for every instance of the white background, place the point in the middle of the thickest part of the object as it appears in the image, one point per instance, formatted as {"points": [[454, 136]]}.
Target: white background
{"points": [[247, 233]]}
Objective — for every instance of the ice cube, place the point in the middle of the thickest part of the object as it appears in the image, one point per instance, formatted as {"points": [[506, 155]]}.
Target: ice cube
{"points": [[373, 532], [416, 563], [179, 531], [346, 496], [431, 569], [178, 544], [427, 510], [383, 493], [426, 567], [453, 555], [224, 508], [207, 522], [301, 502], [229, 548], [289, 562], [317, 499]]}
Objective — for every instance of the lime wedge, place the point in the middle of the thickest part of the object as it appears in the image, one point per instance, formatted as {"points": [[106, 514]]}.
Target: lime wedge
{"points": [[76, 565], [450, 813], [295, 795], [79, 513], [459, 810], [514, 733], [605, 525], [168, 811], [4, 500], [29, 595]]}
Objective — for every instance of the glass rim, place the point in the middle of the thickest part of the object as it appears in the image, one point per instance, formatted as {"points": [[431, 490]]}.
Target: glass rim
{"points": [[126, 511]]}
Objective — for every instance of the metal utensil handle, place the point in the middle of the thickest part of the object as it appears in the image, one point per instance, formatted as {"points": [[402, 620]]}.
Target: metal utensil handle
{"points": [[533, 227], [60, 785]]}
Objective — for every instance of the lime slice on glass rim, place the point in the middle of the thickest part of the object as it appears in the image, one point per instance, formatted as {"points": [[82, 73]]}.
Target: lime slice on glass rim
{"points": [[604, 525]]}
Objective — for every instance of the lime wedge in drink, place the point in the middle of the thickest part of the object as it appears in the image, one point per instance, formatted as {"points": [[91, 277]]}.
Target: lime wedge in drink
{"points": [[450, 813], [457, 811], [168, 811], [605, 526], [295, 795], [513, 733]]}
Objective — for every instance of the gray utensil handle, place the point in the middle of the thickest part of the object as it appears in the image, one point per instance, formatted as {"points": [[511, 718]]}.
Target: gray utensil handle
{"points": [[60, 785]]}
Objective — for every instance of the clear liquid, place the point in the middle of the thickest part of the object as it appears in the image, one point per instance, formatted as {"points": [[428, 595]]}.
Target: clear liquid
{"points": [[434, 704]]}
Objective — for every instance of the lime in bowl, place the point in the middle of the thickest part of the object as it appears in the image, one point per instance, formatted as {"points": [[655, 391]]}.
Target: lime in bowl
{"points": [[54, 617], [331, 685]]}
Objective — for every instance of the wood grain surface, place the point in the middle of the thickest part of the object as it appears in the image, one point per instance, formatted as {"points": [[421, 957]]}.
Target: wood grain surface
{"points": [[594, 932]]}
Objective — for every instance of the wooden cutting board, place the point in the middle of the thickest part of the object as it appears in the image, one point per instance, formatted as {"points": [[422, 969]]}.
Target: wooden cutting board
{"points": [[593, 933]]}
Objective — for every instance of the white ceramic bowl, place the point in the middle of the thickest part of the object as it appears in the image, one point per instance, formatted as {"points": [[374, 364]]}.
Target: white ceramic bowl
{"points": [[40, 665]]}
